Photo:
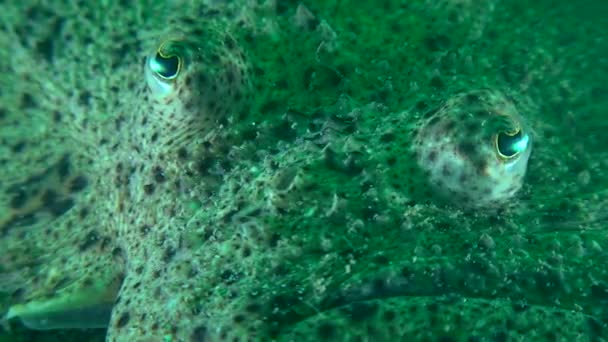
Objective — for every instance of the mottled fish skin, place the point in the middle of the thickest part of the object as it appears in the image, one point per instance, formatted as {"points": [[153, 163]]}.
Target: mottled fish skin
{"points": [[336, 171]]}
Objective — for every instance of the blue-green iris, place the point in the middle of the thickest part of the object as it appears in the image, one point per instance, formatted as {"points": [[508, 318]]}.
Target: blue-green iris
{"points": [[510, 145], [166, 67]]}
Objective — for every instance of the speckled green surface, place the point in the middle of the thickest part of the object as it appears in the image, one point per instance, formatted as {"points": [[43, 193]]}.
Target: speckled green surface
{"points": [[323, 170]]}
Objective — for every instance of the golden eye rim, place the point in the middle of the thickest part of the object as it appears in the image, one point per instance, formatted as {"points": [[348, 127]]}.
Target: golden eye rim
{"points": [[160, 52], [513, 133]]}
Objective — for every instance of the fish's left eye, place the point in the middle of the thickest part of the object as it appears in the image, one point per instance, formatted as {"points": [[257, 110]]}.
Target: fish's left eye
{"points": [[509, 145], [163, 66], [166, 67]]}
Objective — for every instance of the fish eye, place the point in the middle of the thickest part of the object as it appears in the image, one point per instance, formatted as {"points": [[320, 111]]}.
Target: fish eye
{"points": [[509, 145], [165, 67]]}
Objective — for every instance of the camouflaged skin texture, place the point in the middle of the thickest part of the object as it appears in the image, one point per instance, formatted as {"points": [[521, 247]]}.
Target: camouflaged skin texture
{"points": [[323, 170]]}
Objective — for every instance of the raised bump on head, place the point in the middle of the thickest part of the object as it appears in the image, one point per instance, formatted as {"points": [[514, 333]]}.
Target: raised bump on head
{"points": [[197, 80], [474, 149], [203, 71]]}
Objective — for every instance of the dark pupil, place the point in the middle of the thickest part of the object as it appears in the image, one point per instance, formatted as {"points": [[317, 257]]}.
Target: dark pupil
{"points": [[507, 144], [168, 65]]}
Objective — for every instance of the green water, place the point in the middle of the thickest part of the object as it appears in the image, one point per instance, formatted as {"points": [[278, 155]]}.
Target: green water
{"points": [[301, 202]]}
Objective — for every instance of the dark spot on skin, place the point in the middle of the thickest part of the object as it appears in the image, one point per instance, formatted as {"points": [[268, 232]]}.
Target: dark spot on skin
{"points": [[188, 81], [421, 105], [230, 77], [228, 276], [466, 148], [274, 240], [63, 167], [281, 270], [159, 175], [91, 238], [51, 201], [57, 116], [119, 121], [84, 98], [123, 320], [481, 167], [471, 127], [449, 125], [19, 199], [18, 220], [45, 47], [182, 153], [169, 254], [78, 183], [145, 229], [61, 283], [84, 212], [149, 189], [18, 147], [27, 101], [482, 114], [62, 206], [246, 252], [198, 334], [116, 252], [105, 242]]}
